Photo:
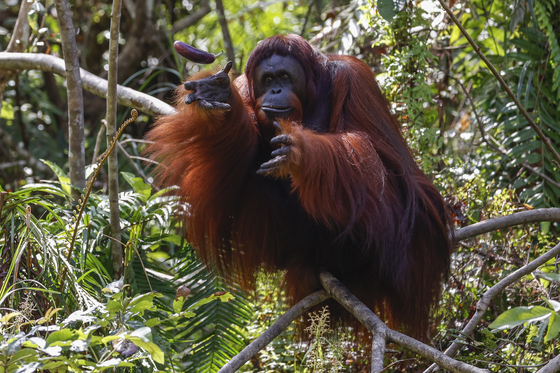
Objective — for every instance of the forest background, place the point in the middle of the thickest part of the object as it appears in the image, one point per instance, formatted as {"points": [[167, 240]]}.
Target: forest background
{"points": [[69, 302]]}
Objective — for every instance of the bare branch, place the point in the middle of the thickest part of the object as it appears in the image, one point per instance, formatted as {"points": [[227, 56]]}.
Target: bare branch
{"points": [[225, 31], [485, 300], [282, 323], [138, 169], [375, 325], [91, 83], [501, 222], [3, 166], [491, 67], [191, 19], [552, 366], [98, 141]]}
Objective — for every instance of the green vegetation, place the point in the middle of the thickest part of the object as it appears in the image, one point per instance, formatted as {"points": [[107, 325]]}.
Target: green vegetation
{"points": [[61, 307]]}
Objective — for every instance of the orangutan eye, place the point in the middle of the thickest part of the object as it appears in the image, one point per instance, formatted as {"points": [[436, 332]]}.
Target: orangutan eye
{"points": [[285, 77], [268, 81]]}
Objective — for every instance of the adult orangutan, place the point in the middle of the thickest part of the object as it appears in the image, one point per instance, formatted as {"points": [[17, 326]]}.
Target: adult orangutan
{"points": [[298, 166]]}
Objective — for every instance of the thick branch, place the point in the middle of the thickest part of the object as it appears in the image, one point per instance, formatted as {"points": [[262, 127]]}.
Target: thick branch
{"points": [[375, 325], [523, 217], [76, 137], [552, 366], [125, 96], [510, 93], [278, 327], [191, 19], [485, 300]]}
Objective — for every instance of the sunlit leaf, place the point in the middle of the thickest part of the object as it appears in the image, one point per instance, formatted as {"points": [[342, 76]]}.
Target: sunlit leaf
{"points": [[520, 315]]}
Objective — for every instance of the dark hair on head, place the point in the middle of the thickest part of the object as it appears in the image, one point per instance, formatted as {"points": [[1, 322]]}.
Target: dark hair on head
{"points": [[310, 58]]}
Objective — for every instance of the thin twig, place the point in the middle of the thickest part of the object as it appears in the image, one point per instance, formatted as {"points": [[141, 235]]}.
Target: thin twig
{"points": [[138, 169], [476, 48], [98, 141], [278, 327], [18, 42], [306, 17], [136, 140]]}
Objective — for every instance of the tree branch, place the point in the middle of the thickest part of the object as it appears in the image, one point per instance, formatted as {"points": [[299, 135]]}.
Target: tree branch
{"points": [[191, 19], [501, 222], [90, 82], [225, 31], [491, 67], [375, 325], [282, 323], [484, 302], [552, 366]]}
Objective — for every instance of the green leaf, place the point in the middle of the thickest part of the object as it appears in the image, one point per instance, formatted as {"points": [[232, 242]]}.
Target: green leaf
{"points": [[62, 335], [551, 276], [389, 8], [62, 177], [553, 327], [7, 111], [137, 184], [140, 307], [150, 347], [29, 368], [113, 306], [520, 315], [26, 354], [152, 322], [178, 304]]}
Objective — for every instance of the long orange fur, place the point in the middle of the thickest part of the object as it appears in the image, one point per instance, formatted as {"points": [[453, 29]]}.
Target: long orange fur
{"points": [[349, 199]]}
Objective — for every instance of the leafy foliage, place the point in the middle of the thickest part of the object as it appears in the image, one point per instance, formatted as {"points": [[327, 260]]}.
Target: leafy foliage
{"points": [[463, 129]]}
